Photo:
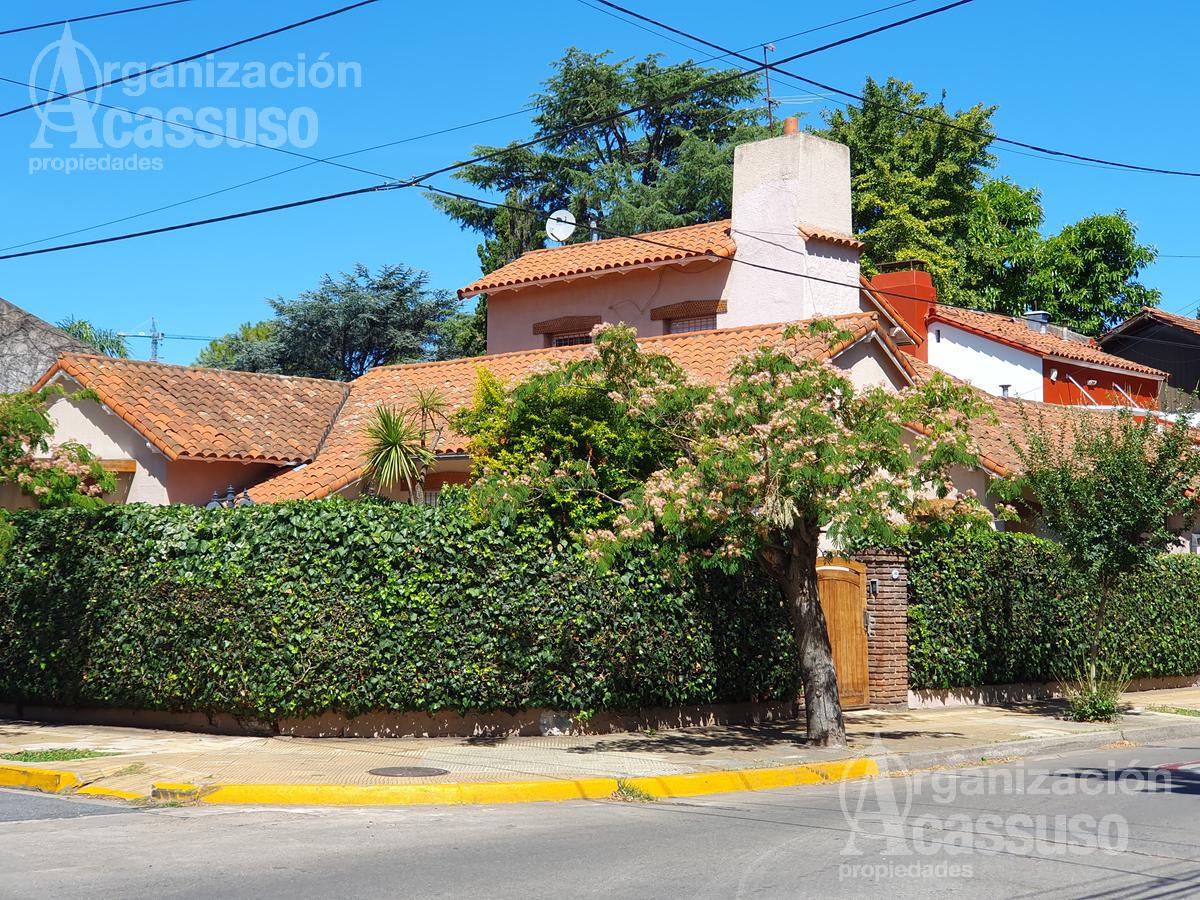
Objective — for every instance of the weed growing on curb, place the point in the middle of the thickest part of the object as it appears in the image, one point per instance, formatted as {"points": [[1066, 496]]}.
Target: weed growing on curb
{"points": [[54, 754], [629, 793], [1174, 710]]}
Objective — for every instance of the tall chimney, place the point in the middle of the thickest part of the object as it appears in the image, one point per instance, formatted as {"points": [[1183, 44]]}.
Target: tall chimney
{"points": [[791, 203], [908, 287]]}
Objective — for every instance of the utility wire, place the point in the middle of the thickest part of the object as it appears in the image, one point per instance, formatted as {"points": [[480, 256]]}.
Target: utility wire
{"points": [[166, 65], [103, 15], [198, 130], [776, 67], [242, 184], [511, 148], [733, 259]]}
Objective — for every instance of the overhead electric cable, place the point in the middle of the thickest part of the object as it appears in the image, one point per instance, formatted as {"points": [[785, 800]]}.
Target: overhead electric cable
{"points": [[103, 15], [149, 70], [776, 67]]}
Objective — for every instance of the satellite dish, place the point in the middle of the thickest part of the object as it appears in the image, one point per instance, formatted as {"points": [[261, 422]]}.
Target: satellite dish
{"points": [[561, 225]]}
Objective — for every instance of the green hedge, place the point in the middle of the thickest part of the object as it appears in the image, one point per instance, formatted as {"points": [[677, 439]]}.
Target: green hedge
{"points": [[294, 609], [999, 608]]}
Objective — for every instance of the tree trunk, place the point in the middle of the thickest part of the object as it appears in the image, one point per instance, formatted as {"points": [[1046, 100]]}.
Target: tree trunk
{"points": [[796, 574]]}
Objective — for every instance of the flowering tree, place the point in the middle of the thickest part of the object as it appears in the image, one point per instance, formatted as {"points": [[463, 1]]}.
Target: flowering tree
{"points": [[787, 451], [759, 469], [53, 474]]}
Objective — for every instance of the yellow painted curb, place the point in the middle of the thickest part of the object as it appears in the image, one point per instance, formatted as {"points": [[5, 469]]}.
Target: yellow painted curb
{"points": [[689, 785], [170, 790], [95, 790], [46, 780], [698, 783], [405, 794]]}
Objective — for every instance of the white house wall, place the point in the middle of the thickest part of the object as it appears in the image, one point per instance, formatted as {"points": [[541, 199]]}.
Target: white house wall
{"points": [[985, 363], [110, 437]]}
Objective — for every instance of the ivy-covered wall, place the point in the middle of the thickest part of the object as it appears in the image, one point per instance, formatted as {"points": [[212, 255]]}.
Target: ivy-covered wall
{"points": [[299, 608], [999, 608]]}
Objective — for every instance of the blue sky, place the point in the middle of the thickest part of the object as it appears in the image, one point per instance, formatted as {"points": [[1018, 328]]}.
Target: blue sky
{"points": [[1089, 77]]}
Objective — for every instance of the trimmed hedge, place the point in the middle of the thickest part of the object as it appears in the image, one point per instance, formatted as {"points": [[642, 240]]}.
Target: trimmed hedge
{"points": [[295, 609], [1002, 608]]}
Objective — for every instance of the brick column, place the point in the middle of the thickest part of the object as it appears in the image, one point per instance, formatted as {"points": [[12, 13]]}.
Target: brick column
{"points": [[887, 644]]}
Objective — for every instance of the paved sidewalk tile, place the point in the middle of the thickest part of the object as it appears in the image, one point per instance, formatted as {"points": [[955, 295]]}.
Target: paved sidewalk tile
{"points": [[146, 756]]}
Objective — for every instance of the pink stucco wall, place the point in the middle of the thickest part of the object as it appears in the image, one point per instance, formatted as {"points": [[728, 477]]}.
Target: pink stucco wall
{"points": [[615, 298]]}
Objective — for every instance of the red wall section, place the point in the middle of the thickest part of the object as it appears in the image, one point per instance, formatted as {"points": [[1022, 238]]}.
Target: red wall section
{"points": [[1064, 393]]}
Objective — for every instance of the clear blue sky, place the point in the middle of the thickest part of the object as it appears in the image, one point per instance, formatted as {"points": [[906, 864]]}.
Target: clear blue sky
{"points": [[1100, 78]]}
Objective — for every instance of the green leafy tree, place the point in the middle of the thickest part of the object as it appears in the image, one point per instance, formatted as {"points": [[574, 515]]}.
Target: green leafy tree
{"points": [[348, 325], [663, 167], [562, 442], [54, 475], [923, 188], [753, 471], [224, 352], [102, 340], [464, 334], [1115, 492]]}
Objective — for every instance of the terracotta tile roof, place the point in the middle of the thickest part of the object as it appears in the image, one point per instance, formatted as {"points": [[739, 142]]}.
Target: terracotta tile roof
{"points": [[709, 239], [212, 414], [705, 355], [1187, 323], [879, 300], [831, 237], [1016, 333], [994, 439]]}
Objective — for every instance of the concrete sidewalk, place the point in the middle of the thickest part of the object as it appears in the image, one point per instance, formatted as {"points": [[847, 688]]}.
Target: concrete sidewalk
{"points": [[143, 759]]}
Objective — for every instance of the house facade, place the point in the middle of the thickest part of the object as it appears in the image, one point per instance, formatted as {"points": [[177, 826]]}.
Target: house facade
{"points": [[1024, 357], [1166, 341], [787, 253], [177, 434]]}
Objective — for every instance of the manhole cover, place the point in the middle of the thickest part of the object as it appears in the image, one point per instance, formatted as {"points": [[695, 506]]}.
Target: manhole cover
{"points": [[409, 772]]}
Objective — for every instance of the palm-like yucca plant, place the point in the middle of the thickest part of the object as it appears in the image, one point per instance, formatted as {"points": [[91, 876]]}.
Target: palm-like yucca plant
{"points": [[398, 451]]}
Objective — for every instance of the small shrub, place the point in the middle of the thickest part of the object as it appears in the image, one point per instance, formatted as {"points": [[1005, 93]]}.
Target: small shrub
{"points": [[1099, 702]]}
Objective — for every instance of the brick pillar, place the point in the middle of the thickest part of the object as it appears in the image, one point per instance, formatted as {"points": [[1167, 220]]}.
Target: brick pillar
{"points": [[887, 643]]}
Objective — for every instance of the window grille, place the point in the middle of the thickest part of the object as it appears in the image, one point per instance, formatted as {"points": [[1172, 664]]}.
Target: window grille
{"points": [[570, 340], [691, 323]]}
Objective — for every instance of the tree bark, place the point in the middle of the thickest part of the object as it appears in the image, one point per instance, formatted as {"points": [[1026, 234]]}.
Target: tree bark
{"points": [[795, 572]]}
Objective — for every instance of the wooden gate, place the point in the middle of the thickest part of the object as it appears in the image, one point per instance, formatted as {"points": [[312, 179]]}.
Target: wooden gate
{"points": [[843, 588]]}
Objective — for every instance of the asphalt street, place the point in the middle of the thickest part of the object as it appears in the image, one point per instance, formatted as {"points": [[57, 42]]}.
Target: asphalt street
{"points": [[1116, 823]]}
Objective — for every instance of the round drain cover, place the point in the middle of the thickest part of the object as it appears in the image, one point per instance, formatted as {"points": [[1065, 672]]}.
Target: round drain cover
{"points": [[409, 772]]}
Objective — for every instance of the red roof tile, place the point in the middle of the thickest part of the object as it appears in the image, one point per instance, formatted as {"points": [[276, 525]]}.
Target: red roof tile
{"points": [[709, 239], [705, 355], [211, 414], [1017, 333], [1187, 323]]}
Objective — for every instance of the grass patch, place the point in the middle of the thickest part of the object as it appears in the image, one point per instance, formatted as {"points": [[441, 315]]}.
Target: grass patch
{"points": [[1175, 710], [629, 793], [54, 754], [131, 769]]}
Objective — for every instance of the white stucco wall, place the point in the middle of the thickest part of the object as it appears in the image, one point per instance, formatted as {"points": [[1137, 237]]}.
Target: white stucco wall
{"points": [[985, 363], [868, 365], [108, 436], [778, 186]]}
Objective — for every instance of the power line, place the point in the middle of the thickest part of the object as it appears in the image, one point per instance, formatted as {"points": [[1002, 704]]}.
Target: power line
{"points": [[198, 130], [242, 184], [103, 15], [197, 223], [166, 65], [776, 67], [483, 157], [479, 158], [733, 259]]}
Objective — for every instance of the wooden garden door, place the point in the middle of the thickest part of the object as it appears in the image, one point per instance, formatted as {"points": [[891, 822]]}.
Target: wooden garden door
{"points": [[842, 585]]}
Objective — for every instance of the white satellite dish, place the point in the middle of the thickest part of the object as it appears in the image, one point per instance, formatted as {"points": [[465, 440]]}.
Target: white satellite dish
{"points": [[561, 225]]}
